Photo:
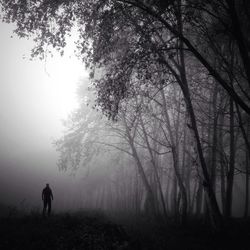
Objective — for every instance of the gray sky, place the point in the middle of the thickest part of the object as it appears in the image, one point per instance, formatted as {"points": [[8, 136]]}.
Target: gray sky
{"points": [[34, 97]]}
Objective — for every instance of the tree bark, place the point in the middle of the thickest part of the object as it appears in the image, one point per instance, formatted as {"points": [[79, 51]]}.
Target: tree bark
{"points": [[230, 174], [214, 140], [246, 187]]}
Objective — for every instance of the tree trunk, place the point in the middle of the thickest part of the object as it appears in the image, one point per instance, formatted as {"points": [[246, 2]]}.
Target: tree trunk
{"points": [[222, 165], [245, 137], [230, 174], [149, 193], [175, 161], [246, 187], [199, 198], [215, 211], [174, 193], [155, 168], [214, 140]]}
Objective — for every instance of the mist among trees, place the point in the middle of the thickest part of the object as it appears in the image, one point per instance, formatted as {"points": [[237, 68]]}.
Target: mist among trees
{"points": [[163, 125]]}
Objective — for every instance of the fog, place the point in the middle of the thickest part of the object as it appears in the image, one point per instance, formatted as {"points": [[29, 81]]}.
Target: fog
{"points": [[123, 166], [32, 105], [124, 124]]}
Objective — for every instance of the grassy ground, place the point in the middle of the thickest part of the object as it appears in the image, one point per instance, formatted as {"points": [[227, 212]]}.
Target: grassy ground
{"points": [[65, 231], [146, 235], [94, 231]]}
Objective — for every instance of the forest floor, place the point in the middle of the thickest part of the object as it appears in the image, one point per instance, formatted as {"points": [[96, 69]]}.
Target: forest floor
{"points": [[95, 231]]}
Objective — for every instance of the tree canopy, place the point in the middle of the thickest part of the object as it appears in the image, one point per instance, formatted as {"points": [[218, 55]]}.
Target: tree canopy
{"points": [[132, 36]]}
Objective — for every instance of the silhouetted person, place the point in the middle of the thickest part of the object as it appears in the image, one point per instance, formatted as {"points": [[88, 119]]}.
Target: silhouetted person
{"points": [[47, 196]]}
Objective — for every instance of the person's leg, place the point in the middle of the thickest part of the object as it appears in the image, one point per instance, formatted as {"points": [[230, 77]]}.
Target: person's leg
{"points": [[45, 203], [49, 207]]}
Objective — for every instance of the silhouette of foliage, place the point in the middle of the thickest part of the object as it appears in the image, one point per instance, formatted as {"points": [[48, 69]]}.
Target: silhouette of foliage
{"points": [[122, 37]]}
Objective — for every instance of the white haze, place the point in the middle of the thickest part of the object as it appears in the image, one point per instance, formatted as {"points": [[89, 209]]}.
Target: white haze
{"points": [[34, 97]]}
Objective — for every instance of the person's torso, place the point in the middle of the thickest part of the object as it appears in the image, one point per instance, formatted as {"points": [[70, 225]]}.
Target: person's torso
{"points": [[47, 193]]}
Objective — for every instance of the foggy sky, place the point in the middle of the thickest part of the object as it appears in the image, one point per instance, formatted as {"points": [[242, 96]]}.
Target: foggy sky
{"points": [[30, 118]]}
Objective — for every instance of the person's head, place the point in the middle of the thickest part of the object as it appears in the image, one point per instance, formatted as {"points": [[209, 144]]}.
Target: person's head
{"points": [[47, 185]]}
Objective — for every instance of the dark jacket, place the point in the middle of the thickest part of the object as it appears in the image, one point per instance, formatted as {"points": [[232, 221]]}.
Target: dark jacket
{"points": [[47, 194]]}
